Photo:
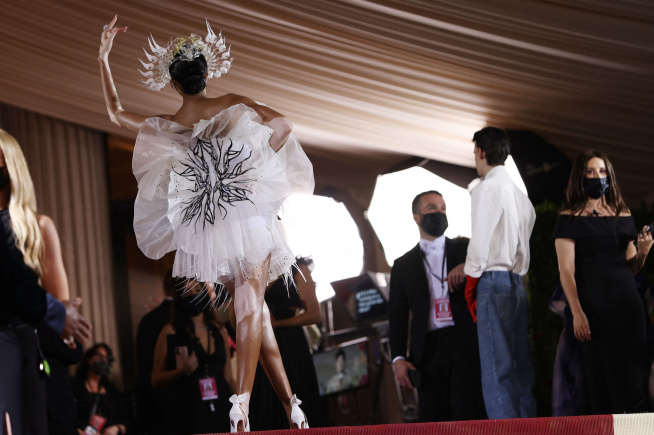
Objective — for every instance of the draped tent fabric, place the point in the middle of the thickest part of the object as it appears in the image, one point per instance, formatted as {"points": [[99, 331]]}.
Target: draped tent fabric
{"points": [[359, 77], [68, 166]]}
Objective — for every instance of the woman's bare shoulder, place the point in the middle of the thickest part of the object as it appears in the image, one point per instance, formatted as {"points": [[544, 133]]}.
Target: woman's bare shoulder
{"points": [[168, 329], [48, 228], [45, 221]]}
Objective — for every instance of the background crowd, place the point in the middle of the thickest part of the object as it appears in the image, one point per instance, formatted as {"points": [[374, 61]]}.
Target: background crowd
{"points": [[466, 348]]}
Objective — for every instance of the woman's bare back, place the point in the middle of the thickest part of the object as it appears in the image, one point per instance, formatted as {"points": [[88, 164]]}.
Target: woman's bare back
{"points": [[194, 111]]}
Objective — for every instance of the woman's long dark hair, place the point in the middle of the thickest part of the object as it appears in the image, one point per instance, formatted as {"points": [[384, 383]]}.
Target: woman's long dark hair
{"points": [[576, 196], [84, 366]]}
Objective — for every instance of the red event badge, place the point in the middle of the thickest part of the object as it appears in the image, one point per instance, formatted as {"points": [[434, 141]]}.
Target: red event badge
{"points": [[208, 388], [442, 309], [95, 425]]}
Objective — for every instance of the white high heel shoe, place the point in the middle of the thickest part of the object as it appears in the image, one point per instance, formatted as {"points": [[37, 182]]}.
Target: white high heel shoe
{"points": [[237, 413], [297, 416]]}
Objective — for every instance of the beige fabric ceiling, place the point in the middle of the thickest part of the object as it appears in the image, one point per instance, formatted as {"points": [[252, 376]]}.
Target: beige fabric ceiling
{"points": [[370, 77]]}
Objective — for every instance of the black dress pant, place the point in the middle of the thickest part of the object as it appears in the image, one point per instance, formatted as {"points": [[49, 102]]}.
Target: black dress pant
{"points": [[22, 391], [450, 385]]}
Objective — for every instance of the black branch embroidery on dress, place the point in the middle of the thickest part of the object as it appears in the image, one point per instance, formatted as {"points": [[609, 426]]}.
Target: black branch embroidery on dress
{"points": [[215, 183]]}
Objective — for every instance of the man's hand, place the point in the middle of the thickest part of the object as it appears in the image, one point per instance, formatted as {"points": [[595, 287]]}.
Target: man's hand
{"points": [[402, 368], [76, 326], [456, 278]]}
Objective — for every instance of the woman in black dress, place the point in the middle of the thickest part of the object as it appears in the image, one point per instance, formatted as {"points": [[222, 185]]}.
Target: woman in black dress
{"points": [[96, 396], [597, 258], [24, 304], [192, 350], [283, 300]]}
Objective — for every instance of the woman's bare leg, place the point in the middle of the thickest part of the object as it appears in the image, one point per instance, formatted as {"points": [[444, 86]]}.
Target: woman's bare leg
{"points": [[248, 303], [272, 364]]}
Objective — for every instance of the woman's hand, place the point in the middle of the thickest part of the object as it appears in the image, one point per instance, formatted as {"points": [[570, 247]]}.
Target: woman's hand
{"points": [[645, 241], [189, 364], [581, 326], [111, 430], [108, 35]]}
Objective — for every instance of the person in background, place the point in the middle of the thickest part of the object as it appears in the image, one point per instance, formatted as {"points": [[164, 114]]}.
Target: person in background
{"points": [[150, 402], [498, 258], [292, 306], [96, 396], [23, 303], [594, 239], [191, 360], [428, 282], [341, 380], [60, 354], [567, 374]]}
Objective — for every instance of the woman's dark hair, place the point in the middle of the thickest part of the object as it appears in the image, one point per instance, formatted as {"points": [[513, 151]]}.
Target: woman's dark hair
{"points": [[183, 323], [576, 196], [190, 74], [340, 352], [84, 366], [495, 142]]}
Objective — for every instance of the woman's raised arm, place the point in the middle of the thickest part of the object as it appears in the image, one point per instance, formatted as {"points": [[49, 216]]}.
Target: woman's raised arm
{"points": [[129, 120]]}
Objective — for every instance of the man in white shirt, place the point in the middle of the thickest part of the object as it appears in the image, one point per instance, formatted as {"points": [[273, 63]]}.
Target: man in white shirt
{"points": [[498, 258], [443, 353]]}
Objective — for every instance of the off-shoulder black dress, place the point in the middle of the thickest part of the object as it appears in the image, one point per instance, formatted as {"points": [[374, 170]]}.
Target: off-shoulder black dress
{"points": [[615, 363]]}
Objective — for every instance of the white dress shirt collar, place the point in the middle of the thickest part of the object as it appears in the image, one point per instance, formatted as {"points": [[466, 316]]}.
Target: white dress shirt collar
{"points": [[496, 171], [435, 245]]}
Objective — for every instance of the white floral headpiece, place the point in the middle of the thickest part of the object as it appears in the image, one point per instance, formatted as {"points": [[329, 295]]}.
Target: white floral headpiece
{"points": [[213, 49]]}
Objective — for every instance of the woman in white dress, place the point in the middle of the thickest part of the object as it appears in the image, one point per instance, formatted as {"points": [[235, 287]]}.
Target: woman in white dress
{"points": [[212, 178]]}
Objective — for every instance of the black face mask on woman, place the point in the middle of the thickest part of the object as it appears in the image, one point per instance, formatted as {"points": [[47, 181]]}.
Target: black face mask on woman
{"points": [[434, 224], [4, 180], [190, 307], [101, 367], [596, 187]]}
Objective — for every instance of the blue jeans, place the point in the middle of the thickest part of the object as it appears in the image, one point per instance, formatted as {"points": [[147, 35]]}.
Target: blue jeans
{"points": [[507, 373]]}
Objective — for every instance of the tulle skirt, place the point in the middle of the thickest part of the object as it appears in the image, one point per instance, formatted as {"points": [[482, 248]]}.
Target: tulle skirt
{"points": [[212, 194]]}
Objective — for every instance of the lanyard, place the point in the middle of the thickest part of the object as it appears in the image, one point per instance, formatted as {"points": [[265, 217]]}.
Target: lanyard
{"points": [[439, 278]]}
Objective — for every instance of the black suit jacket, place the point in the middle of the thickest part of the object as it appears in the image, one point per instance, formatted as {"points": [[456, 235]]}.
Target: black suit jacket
{"points": [[410, 293]]}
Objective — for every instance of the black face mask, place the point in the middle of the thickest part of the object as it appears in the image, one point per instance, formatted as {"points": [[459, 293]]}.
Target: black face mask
{"points": [[434, 224], [4, 180], [596, 187], [190, 307], [101, 367]]}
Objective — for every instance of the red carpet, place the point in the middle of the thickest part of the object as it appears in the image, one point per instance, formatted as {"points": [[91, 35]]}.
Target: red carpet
{"points": [[634, 424]]}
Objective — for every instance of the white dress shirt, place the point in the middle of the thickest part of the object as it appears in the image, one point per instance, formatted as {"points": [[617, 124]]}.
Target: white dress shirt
{"points": [[436, 269], [502, 221]]}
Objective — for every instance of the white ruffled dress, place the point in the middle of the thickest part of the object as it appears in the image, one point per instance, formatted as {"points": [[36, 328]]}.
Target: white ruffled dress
{"points": [[212, 193]]}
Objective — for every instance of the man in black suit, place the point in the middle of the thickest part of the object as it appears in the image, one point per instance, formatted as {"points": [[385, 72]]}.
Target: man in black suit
{"points": [[151, 404], [428, 282]]}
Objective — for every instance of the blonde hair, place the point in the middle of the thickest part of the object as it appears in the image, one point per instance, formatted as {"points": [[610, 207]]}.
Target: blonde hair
{"points": [[22, 205]]}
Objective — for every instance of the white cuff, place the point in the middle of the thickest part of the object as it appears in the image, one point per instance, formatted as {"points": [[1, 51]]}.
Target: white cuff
{"points": [[398, 357]]}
